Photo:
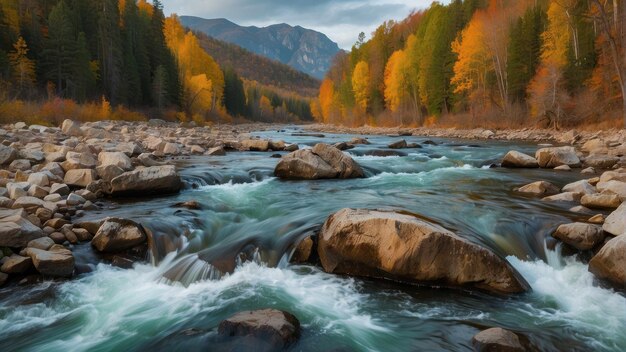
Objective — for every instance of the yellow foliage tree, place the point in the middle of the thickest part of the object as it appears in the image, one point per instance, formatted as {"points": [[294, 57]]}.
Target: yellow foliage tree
{"points": [[361, 84], [557, 36], [326, 98], [396, 80], [198, 93], [23, 67]]}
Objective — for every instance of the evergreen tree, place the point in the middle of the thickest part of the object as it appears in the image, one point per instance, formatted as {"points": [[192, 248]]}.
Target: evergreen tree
{"points": [[60, 50], [83, 77], [524, 51], [110, 51], [234, 94]]}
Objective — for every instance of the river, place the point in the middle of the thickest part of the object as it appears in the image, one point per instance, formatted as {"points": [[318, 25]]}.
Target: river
{"points": [[250, 222]]}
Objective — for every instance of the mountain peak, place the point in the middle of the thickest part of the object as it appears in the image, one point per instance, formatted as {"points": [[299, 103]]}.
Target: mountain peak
{"points": [[304, 49]]}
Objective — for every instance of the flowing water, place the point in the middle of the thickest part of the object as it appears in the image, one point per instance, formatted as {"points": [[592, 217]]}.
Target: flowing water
{"points": [[233, 255]]}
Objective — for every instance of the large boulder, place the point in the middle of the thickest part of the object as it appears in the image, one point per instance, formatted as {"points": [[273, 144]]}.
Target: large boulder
{"points": [[7, 155], [16, 264], [497, 340], [580, 235], [610, 262], [556, 156], [390, 245], [115, 235], [57, 261], [79, 177], [255, 145], [582, 187], [321, 162], [615, 224], [118, 159], [146, 181], [517, 159], [71, 128], [277, 328], [602, 201], [15, 228], [539, 188], [601, 161], [613, 187]]}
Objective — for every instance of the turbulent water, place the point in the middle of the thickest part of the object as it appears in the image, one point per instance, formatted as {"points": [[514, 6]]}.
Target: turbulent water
{"points": [[233, 255]]}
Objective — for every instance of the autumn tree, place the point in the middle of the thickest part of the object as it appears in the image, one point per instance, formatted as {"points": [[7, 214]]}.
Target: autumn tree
{"points": [[326, 99], [396, 80], [23, 68], [361, 85]]}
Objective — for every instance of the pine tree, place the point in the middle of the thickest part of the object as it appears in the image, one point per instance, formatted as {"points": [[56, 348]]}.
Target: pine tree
{"points": [[60, 49], [110, 51], [234, 94], [83, 77], [159, 88]]}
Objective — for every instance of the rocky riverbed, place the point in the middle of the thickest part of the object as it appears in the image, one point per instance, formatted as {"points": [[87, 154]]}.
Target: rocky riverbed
{"points": [[113, 187]]}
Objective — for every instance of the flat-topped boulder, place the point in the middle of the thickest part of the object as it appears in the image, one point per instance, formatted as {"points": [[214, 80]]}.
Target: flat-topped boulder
{"points": [[582, 187], [147, 181], [322, 162], [515, 159], [390, 245], [118, 159], [15, 228], [553, 157], [601, 201], [615, 224], [539, 188], [57, 261], [580, 235], [255, 145], [79, 177]]}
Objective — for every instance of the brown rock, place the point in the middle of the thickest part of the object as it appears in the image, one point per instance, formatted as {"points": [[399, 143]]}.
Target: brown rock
{"points": [[16, 264], [497, 340], [557, 156], [601, 201], [610, 262], [400, 247], [80, 177], [580, 235], [116, 235], [255, 145], [517, 159], [278, 328], [539, 188], [146, 181], [615, 223], [15, 229], [57, 261], [303, 251]]}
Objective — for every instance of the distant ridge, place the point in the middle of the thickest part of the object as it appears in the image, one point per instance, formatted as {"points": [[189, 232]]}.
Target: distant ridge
{"points": [[303, 49]]}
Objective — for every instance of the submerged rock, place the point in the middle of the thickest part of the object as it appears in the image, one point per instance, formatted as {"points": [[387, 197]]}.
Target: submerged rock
{"points": [[517, 159], [278, 328], [398, 144], [390, 245], [321, 162], [610, 262], [497, 340]]}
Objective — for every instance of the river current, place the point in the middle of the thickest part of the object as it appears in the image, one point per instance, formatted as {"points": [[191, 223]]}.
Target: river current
{"points": [[233, 255]]}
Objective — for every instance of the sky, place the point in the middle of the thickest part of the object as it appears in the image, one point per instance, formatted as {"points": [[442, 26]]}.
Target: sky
{"points": [[340, 20]]}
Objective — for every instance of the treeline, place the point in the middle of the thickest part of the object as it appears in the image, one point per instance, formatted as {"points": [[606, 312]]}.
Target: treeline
{"points": [[115, 55], [547, 62]]}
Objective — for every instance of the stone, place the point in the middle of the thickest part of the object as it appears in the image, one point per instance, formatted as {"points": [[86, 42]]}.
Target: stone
{"points": [[277, 328], [44, 214], [595, 146], [398, 144], [563, 168], [43, 243], [291, 148], [3, 279], [196, 149], [7, 155], [171, 149], [564, 197], [540, 188], [514, 159], [146, 181], [57, 261], [613, 187], [118, 159], [405, 248], [16, 264], [601, 161], [17, 189], [582, 187], [303, 251], [37, 192], [80, 177], [109, 172], [255, 145], [116, 235], [596, 219], [588, 171], [615, 223], [58, 237], [216, 151], [321, 162], [580, 235], [71, 128], [74, 199], [148, 160], [6, 202], [359, 140], [82, 234], [557, 156], [610, 262], [601, 201], [31, 204], [153, 143], [56, 223], [497, 340], [60, 189], [39, 179], [20, 165]]}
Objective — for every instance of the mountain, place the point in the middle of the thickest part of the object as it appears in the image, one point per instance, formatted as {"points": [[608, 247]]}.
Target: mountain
{"points": [[303, 49], [253, 67]]}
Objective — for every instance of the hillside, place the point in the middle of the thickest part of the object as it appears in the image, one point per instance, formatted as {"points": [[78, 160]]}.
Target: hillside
{"points": [[302, 49], [257, 68]]}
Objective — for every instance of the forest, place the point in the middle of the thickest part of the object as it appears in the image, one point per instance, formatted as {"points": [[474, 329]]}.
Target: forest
{"points": [[486, 63], [120, 59]]}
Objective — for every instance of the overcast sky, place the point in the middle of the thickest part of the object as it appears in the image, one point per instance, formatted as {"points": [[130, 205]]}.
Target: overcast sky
{"points": [[340, 20]]}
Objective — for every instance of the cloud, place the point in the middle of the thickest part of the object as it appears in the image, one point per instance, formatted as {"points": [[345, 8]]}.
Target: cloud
{"points": [[340, 20]]}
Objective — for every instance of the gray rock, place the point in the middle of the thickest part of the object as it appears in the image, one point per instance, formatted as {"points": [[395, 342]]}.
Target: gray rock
{"points": [[582, 187], [43, 243], [71, 128], [277, 328], [80, 177], [497, 340], [146, 181], [539, 188], [7, 154], [15, 229], [557, 156], [615, 223], [516, 159], [118, 159], [57, 261]]}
